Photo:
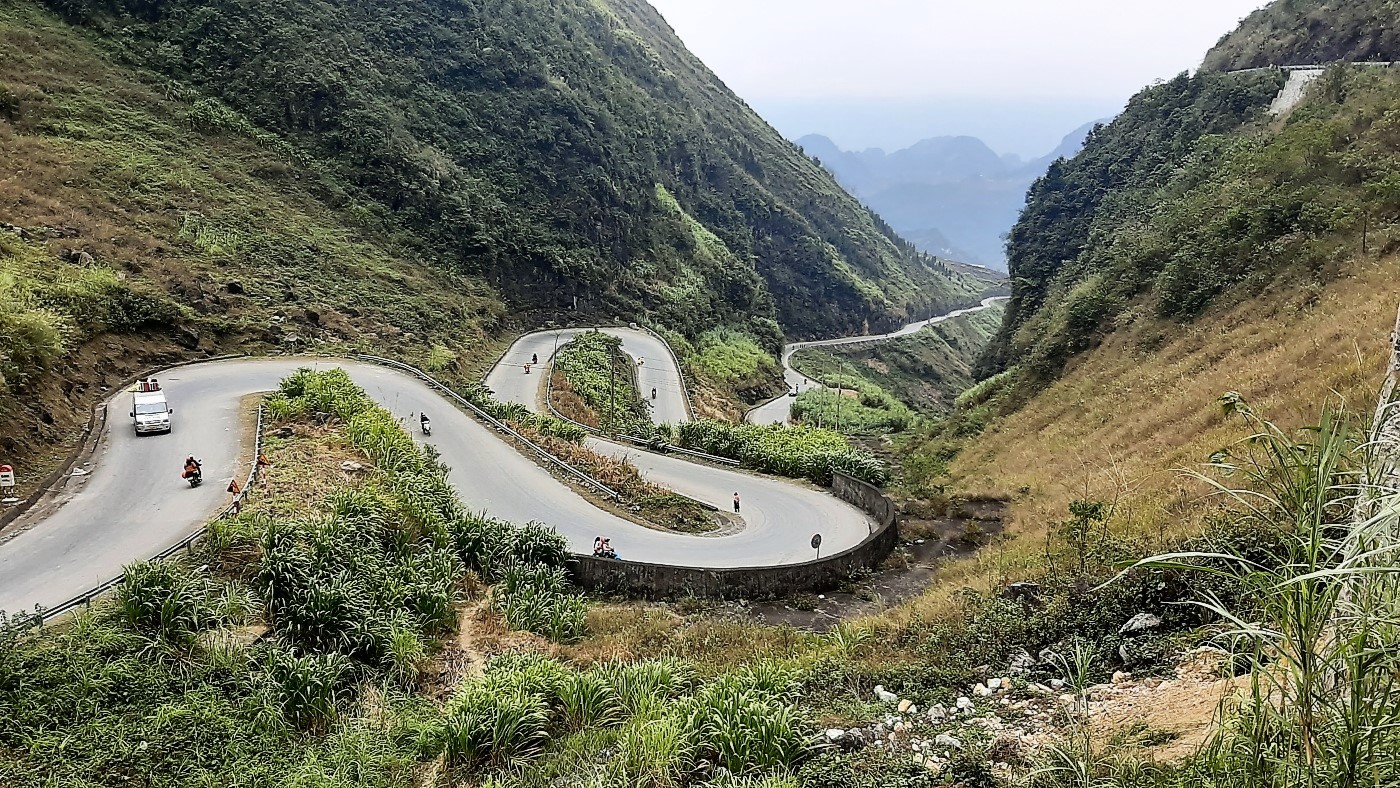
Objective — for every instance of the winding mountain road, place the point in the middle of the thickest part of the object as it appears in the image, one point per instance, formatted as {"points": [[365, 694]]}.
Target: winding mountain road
{"points": [[656, 370], [779, 411], [133, 504]]}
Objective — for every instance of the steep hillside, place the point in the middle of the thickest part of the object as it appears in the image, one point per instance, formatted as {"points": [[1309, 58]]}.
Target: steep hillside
{"points": [[138, 227], [1166, 207], [561, 150], [1304, 32]]}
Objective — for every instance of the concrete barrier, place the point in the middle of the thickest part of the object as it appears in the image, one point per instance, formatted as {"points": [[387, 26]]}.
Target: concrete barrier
{"points": [[660, 581]]}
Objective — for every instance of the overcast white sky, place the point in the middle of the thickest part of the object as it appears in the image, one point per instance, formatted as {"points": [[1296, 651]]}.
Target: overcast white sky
{"points": [[779, 53]]}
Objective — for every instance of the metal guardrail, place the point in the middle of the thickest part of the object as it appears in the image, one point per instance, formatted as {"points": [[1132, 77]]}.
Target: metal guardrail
{"points": [[491, 420], [86, 598]]}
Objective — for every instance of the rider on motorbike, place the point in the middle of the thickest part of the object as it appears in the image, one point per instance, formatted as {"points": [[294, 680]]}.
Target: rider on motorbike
{"points": [[425, 424], [193, 472]]}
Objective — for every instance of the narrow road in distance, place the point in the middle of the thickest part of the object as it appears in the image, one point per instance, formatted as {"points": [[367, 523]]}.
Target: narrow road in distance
{"points": [[779, 411]]}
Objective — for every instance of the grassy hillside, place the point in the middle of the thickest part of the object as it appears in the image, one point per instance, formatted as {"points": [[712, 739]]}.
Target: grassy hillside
{"points": [[1303, 32], [142, 224], [562, 150], [1101, 228]]}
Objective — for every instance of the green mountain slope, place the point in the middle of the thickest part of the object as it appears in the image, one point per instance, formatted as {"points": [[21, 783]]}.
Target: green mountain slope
{"points": [[1195, 193], [1303, 32], [1102, 228], [562, 150]]}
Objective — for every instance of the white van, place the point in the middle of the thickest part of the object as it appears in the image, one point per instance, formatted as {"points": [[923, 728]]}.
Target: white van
{"points": [[150, 412]]}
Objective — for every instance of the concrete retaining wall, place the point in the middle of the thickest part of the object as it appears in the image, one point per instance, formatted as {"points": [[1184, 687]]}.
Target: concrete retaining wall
{"points": [[663, 581]]}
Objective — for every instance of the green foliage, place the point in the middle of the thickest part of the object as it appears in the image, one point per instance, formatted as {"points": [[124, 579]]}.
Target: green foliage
{"points": [[1102, 227], [735, 360], [1316, 32], [48, 307], [568, 149], [169, 604], [799, 452], [306, 690], [605, 378], [875, 412]]}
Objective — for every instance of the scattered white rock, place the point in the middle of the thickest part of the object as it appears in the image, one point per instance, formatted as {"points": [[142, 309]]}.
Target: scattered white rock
{"points": [[905, 707], [982, 690], [885, 695], [351, 467], [938, 712], [1057, 684], [1122, 677], [1140, 623], [835, 735], [949, 741], [994, 684], [964, 703]]}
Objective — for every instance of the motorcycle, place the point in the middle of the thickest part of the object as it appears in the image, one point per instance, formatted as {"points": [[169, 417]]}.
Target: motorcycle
{"points": [[195, 476], [427, 427]]}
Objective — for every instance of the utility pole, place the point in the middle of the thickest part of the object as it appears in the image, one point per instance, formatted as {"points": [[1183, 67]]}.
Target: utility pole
{"points": [[840, 395]]}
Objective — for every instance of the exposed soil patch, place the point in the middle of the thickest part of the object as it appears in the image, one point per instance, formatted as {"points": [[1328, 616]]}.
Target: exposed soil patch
{"points": [[924, 545]]}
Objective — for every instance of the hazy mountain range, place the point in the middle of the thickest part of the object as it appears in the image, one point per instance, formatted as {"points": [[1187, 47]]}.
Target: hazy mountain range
{"points": [[951, 196]]}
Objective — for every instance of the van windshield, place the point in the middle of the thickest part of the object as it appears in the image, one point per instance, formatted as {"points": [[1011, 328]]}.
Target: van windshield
{"points": [[149, 408]]}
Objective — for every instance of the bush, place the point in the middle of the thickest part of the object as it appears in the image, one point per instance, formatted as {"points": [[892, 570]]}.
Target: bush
{"points": [[306, 690], [799, 452], [164, 602]]}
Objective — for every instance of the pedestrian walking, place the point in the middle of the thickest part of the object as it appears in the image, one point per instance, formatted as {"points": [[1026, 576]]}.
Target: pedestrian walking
{"points": [[534, 358], [736, 503]]}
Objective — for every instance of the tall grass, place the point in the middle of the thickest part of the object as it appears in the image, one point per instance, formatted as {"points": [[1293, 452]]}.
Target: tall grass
{"points": [[1321, 637]]}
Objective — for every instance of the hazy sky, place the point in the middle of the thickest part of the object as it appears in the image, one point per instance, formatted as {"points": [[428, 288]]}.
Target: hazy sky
{"points": [[781, 54]]}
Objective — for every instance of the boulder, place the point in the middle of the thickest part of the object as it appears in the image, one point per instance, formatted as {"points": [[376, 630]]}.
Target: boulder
{"points": [[1142, 622], [905, 706], [186, 337], [948, 740]]}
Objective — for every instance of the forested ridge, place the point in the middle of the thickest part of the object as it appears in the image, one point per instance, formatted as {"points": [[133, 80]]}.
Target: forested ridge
{"points": [[1305, 32], [1195, 193], [562, 150]]}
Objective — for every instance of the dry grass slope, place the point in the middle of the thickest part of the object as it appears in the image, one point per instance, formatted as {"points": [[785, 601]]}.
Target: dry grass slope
{"points": [[1129, 415]]}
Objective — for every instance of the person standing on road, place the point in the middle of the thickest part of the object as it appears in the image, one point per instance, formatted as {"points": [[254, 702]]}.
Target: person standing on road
{"points": [[736, 503], [534, 358]]}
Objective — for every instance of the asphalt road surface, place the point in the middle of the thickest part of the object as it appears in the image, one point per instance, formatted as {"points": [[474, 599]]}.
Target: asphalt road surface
{"points": [[656, 369], [133, 503], [779, 411]]}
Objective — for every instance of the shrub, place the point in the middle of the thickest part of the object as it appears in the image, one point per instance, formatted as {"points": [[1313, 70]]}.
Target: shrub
{"points": [[164, 602], [306, 690], [800, 452]]}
